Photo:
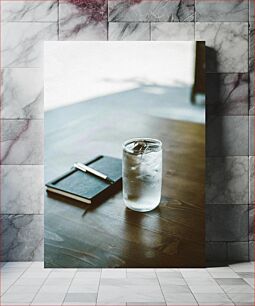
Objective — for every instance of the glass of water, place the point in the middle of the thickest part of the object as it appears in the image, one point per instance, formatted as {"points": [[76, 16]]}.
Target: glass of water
{"points": [[142, 173]]}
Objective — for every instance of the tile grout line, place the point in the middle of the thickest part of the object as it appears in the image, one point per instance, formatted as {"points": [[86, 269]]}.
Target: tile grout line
{"points": [[237, 304], [189, 287], [98, 285], [69, 286], [221, 287], [14, 281], [227, 294], [160, 286], [40, 287]]}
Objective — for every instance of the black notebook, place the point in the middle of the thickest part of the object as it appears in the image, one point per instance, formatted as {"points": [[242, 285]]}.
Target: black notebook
{"points": [[86, 187]]}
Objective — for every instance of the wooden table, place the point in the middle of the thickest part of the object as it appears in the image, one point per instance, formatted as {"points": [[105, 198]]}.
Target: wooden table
{"points": [[110, 235]]}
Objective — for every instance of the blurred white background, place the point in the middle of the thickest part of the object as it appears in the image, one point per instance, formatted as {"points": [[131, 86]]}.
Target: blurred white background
{"points": [[80, 71]]}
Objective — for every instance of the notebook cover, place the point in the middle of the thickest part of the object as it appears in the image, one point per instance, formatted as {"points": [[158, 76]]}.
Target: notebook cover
{"points": [[88, 186]]}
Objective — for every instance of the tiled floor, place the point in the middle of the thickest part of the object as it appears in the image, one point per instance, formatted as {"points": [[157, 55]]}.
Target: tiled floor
{"points": [[26, 283]]}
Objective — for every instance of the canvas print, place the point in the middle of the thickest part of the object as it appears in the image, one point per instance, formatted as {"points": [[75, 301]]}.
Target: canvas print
{"points": [[124, 154]]}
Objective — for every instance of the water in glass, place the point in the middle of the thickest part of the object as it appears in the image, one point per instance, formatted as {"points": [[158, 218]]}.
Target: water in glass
{"points": [[142, 173]]}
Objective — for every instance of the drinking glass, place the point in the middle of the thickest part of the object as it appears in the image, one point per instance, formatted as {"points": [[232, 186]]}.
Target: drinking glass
{"points": [[142, 173]]}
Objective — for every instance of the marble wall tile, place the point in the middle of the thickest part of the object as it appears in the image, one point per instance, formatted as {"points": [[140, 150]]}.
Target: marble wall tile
{"points": [[251, 93], [21, 142], [251, 68], [213, 10], [22, 237], [151, 10], [23, 42], [22, 189], [251, 180], [22, 139], [227, 136], [216, 252], [23, 10], [173, 31], [238, 251], [251, 10], [227, 180], [129, 31], [251, 46], [81, 20], [22, 93], [251, 222], [227, 223], [227, 94], [251, 250], [227, 43], [251, 135]]}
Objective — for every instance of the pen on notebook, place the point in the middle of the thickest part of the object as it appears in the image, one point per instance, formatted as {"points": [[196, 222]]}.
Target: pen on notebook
{"points": [[85, 168]]}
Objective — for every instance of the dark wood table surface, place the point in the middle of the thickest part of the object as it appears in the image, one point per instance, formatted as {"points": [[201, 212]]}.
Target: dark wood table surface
{"points": [[110, 235]]}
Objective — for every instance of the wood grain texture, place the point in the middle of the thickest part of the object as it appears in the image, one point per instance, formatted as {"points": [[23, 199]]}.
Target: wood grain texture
{"points": [[109, 234]]}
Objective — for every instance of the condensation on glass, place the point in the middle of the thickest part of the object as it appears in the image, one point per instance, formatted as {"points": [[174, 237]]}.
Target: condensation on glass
{"points": [[142, 173]]}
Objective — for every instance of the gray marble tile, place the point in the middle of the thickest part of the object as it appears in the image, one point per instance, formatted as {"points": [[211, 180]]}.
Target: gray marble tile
{"points": [[175, 299], [227, 43], [81, 297], [134, 273], [216, 252], [251, 250], [242, 267], [129, 31], [242, 299], [158, 303], [251, 135], [23, 10], [170, 289], [113, 273], [227, 223], [23, 42], [202, 286], [227, 135], [83, 20], [112, 292], [251, 10], [238, 251], [246, 275], [22, 237], [251, 46], [153, 10], [251, 68], [22, 189], [22, 142], [251, 93], [234, 10], [227, 94], [251, 180], [227, 180], [251, 222], [173, 31], [222, 272], [22, 93], [210, 298]]}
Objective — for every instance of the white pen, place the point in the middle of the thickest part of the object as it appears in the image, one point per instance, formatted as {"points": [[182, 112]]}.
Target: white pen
{"points": [[85, 168]]}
